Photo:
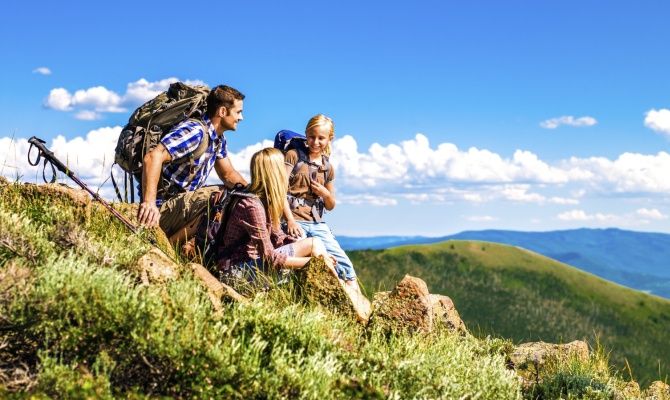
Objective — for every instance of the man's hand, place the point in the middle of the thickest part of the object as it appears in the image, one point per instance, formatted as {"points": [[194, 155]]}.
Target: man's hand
{"points": [[294, 229], [148, 214]]}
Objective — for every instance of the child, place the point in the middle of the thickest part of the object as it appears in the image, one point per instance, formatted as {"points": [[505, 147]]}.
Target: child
{"points": [[311, 190]]}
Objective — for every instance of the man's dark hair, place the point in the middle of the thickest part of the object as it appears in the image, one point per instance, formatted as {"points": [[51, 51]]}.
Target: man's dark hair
{"points": [[222, 96]]}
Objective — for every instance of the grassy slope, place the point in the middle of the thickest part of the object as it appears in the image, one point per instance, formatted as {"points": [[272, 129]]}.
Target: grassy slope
{"points": [[76, 322], [518, 294]]}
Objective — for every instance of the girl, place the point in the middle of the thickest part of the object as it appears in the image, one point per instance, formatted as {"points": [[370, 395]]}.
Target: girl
{"points": [[311, 190], [253, 238]]}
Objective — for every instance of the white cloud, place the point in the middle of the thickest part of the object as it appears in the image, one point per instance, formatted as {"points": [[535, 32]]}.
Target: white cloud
{"points": [[581, 215], [99, 99], [414, 172], [658, 120], [42, 71], [653, 214], [87, 115], [89, 157], [59, 99], [569, 120], [370, 199], [481, 218]]}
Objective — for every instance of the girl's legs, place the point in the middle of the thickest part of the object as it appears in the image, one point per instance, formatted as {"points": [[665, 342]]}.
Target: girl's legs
{"points": [[320, 230]]}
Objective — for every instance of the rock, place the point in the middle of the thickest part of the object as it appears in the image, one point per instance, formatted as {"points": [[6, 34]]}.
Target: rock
{"points": [[657, 391], [630, 391], [407, 308], [216, 290], [14, 277], [536, 354], [445, 313], [320, 286], [156, 267]]}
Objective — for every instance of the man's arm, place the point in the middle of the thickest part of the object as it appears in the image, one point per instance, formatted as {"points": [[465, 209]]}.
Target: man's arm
{"points": [[227, 173], [152, 167]]}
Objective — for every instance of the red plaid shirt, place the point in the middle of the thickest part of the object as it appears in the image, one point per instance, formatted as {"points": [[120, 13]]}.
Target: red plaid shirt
{"points": [[250, 236]]}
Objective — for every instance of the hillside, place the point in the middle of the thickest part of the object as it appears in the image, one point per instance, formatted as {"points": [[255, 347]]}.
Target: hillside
{"points": [[83, 316], [514, 293], [640, 260]]}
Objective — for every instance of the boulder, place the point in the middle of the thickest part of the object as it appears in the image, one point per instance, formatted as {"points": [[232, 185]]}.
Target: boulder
{"points": [[445, 314], [407, 308], [319, 285], [631, 390], [657, 391], [216, 290], [156, 267], [536, 354]]}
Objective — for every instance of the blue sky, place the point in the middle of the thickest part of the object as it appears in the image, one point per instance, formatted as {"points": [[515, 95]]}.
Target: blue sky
{"points": [[477, 81]]}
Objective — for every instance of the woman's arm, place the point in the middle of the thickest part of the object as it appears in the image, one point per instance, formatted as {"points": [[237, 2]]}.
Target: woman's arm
{"points": [[254, 221]]}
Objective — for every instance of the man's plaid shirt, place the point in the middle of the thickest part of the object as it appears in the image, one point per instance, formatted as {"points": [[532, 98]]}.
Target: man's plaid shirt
{"points": [[183, 140]]}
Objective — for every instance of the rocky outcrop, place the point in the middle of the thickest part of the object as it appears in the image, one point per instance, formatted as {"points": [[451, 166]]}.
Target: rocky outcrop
{"points": [[410, 308], [631, 390], [657, 391], [319, 285], [537, 354], [156, 267], [216, 290], [446, 315]]}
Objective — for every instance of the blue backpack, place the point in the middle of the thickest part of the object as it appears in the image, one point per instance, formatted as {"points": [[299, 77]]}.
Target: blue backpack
{"points": [[286, 140]]}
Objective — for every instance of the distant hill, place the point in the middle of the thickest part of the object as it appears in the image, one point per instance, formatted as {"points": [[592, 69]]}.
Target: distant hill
{"points": [[640, 260], [515, 293]]}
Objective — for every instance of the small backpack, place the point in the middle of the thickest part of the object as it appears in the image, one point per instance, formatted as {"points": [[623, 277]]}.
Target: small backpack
{"points": [[212, 224], [286, 140], [153, 120]]}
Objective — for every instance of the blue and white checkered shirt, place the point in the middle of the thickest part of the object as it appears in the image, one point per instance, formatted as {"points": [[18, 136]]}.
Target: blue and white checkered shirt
{"points": [[183, 140]]}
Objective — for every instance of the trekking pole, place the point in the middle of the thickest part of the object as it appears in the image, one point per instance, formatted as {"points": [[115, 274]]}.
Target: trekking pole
{"points": [[57, 164]]}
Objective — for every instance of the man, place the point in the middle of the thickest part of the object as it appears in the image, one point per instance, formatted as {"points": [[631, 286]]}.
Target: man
{"points": [[224, 112]]}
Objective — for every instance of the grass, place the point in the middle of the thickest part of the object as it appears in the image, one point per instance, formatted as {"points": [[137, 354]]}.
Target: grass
{"points": [[506, 291], [76, 322]]}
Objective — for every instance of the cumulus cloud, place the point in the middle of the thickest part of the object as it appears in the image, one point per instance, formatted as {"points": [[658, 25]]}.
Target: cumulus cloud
{"points": [[87, 115], [413, 171], [658, 120], [42, 71], [653, 214], [481, 218], [99, 99], [581, 215], [569, 120], [90, 157]]}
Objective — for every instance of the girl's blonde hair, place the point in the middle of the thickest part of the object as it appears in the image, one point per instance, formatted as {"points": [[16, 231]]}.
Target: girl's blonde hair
{"points": [[322, 120], [269, 182]]}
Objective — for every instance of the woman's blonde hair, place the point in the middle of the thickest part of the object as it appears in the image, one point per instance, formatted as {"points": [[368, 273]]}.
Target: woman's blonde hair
{"points": [[322, 120], [269, 182]]}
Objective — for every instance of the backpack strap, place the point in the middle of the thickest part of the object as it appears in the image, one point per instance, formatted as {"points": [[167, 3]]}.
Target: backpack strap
{"points": [[198, 152], [202, 147]]}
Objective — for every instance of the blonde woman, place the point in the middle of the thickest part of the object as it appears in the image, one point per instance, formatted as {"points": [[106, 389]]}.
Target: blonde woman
{"points": [[253, 238], [311, 190]]}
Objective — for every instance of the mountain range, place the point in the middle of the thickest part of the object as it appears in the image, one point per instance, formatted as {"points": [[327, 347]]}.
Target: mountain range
{"points": [[640, 260]]}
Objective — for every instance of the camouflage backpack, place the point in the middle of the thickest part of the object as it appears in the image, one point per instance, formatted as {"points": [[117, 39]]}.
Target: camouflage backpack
{"points": [[149, 123]]}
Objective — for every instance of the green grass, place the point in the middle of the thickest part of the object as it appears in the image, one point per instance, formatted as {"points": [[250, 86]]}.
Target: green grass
{"points": [[76, 322], [511, 292]]}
